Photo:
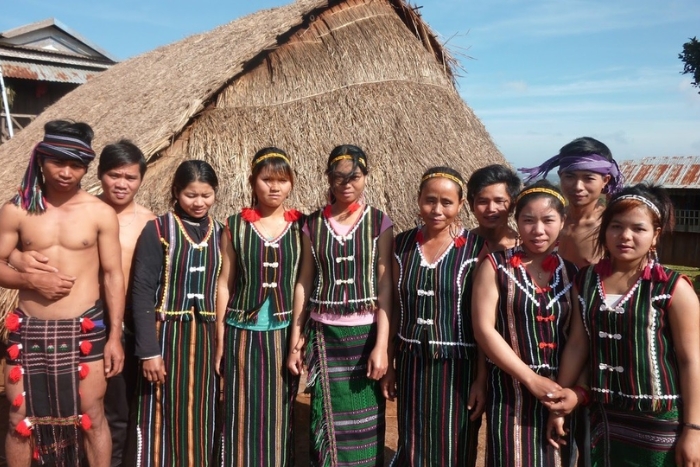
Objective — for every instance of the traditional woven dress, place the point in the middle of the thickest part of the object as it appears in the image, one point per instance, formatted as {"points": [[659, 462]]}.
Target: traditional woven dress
{"points": [[635, 384], [177, 262], [259, 390], [535, 322], [47, 356], [347, 408], [436, 353]]}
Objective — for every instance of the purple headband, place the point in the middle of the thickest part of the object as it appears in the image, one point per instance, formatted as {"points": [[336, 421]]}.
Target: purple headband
{"points": [[589, 162]]}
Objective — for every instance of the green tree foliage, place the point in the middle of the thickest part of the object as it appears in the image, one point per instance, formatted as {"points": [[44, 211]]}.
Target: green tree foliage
{"points": [[691, 60]]}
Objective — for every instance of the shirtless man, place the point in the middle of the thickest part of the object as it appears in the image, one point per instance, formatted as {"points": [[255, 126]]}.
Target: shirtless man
{"points": [[587, 171], [121, 169], [59, 358]]}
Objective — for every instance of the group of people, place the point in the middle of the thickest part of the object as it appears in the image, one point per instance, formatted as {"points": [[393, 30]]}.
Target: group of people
{"points": [[565, 305]]}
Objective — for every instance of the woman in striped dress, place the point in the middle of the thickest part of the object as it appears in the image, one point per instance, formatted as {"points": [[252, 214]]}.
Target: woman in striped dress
{"points": [[260, 248], [637, 323], [345, 278], [521, 307], [177, 262], [440, 382]]}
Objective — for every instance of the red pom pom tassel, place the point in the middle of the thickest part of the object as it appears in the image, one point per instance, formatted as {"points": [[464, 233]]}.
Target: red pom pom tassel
{"points": [[36, 454], [550, 263], [83, 371], [658, 273], [19, 400], [292, 215], [646, 273], [86, 347], [13, 322], [250, 215], [603, 268], [460, 242], [85, 422], [13, 351], [16, 374], [516, 260], [86, 325], [24, 428]]}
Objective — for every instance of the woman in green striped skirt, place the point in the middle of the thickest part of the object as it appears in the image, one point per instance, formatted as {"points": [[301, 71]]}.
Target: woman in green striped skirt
{"points": [[261, 248], [345, 278], [177, 262], [637, 324]]}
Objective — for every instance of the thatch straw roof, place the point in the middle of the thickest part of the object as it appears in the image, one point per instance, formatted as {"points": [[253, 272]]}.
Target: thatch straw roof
{"points": [[304, 77]]}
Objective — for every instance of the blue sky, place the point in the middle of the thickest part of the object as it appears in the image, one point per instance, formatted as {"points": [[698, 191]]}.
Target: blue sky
{"points": [[537, 73]]}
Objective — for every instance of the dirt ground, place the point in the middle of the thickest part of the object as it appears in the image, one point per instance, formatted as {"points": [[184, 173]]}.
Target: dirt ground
{"points": [[302, 430]]}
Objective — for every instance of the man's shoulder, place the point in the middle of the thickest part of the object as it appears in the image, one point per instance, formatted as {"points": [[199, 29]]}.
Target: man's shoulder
{"points": [[145, 213]]}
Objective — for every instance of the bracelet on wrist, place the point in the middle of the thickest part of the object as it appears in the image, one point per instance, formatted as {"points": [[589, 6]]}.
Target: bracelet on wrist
{"points": [[583, 396], [692, 426]]}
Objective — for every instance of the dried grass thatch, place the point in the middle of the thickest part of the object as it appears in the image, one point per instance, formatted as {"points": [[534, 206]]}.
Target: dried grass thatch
{"points": [[304, 77]]}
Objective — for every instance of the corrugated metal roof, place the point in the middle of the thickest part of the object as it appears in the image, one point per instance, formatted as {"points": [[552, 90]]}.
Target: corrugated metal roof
{"points": [[670, 172], [24, 53], [37, 72]]}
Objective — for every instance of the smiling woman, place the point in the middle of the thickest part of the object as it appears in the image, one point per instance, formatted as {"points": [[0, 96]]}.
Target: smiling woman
{"points": [[521, 311], [177, 262]]}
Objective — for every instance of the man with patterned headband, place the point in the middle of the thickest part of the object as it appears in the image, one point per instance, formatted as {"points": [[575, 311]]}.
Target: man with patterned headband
{"points": [[59, 356]]}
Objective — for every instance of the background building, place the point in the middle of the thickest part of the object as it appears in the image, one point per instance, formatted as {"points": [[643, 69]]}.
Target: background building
{"points": [[40, 63]]}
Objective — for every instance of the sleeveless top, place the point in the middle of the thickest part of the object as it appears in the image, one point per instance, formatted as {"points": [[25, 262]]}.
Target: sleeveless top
{"points": [[534, 321], [346, 265], [435, 299], [190, 272], [633, 364], [264, 268]]}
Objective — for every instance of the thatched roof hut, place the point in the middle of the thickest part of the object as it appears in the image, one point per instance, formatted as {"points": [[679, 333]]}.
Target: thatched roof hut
{"points": [[304, 77]]}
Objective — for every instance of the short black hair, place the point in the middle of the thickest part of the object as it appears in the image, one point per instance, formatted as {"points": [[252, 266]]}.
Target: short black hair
{"points": [[79, 130], [119, 154], [492, 175]]}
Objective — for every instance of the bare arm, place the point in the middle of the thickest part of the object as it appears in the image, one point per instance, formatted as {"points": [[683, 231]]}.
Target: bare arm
{"points": [[51, 285], [484, 311], [114, 293], [684, 318], [223, 292], [388, 382], [379, 358], [302, 291]]}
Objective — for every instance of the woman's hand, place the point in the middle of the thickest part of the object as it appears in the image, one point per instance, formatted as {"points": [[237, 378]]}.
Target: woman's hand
{"points": [[542, 388], [377, 363], [562, 402], [556, 434], [295, 359], [388, 384], [688, 448], [477, 399], [154, 370]]}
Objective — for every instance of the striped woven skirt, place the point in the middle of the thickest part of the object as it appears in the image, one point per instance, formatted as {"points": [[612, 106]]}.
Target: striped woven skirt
{"points": [[259, 395], [516, 425], [347, 408], [627, 438], [434, 425], [175, 420]]}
